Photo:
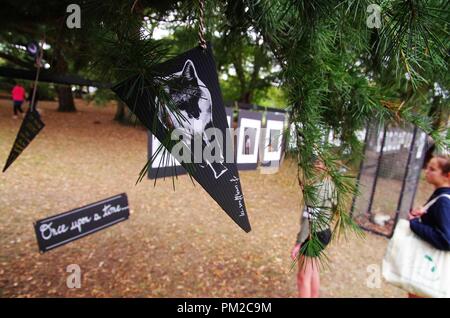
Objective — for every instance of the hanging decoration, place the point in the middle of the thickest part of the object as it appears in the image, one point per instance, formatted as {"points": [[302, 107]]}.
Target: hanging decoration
{"points": [[69, 226], [189, 100], [32, 123], [193, 105], [33, 48], [191, 81], [31, 126]]}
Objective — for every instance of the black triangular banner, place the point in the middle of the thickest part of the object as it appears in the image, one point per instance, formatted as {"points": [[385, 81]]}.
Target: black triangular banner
{"points": [[31, 126], [199, 99]]}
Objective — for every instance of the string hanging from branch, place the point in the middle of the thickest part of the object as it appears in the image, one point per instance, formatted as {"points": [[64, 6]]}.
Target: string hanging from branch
{"points": [[36, 80], [201, 25]]}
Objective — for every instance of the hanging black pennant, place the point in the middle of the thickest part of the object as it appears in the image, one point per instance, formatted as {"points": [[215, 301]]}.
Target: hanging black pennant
{"points": [[192, 83], [31, 126]]}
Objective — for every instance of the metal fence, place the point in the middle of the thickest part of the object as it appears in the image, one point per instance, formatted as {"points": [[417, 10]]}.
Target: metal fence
{"points": [[388, 176]]}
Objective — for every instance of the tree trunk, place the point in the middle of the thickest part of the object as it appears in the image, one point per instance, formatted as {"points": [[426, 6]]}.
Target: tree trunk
{"points": [[120, 112], [246, 97], [440, 115], [439, 112], [124, 115], [65, 99]]}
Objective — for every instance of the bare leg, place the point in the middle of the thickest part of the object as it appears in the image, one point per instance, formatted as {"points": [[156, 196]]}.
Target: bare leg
{"points": [[315, 279], [304, 278]]}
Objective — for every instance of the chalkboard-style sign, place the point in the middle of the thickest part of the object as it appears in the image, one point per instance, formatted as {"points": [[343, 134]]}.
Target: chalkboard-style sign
{"points": [[31, 126], [72, 225]]}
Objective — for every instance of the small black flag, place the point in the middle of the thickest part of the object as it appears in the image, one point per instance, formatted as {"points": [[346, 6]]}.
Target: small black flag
{"points": [[31, 126]]}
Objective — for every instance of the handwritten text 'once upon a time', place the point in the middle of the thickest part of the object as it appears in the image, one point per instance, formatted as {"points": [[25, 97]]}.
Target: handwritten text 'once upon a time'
{"points": [[48, 230]]}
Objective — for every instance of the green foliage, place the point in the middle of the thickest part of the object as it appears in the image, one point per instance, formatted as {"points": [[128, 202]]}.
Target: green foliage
{"points": [[100, 97], [272, 97], [339, 75], [46, 91]]}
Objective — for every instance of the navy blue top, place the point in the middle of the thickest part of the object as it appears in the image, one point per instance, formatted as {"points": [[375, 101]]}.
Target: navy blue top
{"points": [[434, 226]]}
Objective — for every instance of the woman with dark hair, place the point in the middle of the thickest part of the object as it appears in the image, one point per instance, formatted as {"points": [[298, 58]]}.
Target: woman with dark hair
{"points": [[432, 224]]}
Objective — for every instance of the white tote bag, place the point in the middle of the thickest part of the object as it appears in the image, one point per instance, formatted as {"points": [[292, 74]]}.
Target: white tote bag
{"points": [[416, 266]]}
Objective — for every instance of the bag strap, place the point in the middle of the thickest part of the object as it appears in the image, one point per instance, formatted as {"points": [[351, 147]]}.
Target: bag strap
{"points": [[429, 204]]}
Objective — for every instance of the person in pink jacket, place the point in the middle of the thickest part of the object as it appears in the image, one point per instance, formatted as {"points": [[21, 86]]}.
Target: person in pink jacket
{"points": [[18, 97]]}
